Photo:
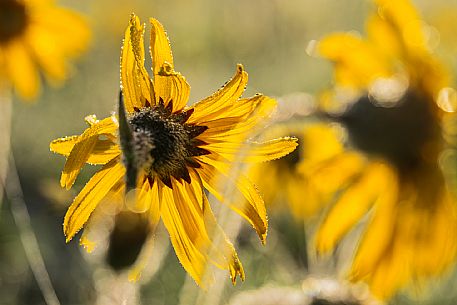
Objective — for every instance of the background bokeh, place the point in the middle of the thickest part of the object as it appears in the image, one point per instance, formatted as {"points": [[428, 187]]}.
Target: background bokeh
{"points": [[273, 40]]}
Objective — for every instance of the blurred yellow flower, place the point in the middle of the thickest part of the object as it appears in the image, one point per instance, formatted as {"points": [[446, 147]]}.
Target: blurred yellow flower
{"points": [[280, 182], [392, 172], [172, 154], [36, 34]]}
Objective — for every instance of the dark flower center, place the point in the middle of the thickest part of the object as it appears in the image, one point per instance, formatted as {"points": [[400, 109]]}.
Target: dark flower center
{"points": [[164, 145], [400, 134], [13, 19]]}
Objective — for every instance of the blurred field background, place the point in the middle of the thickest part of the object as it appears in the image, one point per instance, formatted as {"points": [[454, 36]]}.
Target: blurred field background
{"points": [[271, 39]]}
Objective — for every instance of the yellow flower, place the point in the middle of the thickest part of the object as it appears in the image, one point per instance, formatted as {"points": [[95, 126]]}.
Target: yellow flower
{"points": [[281, 183], [392, 173], [37, 34], [172, 153]]}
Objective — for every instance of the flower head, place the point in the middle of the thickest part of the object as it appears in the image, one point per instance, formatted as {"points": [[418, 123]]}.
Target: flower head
{"points": [[390, 171], [35, 34], [170, 154]]}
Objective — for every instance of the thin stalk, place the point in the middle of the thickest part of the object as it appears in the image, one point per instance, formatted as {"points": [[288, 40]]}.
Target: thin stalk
{"points": [[11, 186], [29, 241], [5, 132]]}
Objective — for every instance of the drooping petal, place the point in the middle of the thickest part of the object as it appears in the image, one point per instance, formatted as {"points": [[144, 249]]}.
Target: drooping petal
{"points": [[89, 197], [102, 217], [103, 151], [226, 96], [81, 151], [184, 223], [221, 251], [253, 209], [135, 82]]}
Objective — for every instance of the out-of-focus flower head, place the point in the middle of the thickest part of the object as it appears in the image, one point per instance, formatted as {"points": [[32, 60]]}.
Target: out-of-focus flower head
{"points": [[37, 35], [164, 155], [393, 98]]}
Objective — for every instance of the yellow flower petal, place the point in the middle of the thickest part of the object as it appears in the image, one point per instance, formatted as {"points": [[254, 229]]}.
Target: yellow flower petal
{"points": [[160, 47], [49, 42], [255, 151], [321, 142], [81, 151], [89, 197], [406, 21], [384, 37], [184, 223], [171, 86], [155, 206], [63, 23], [357, 62], [238, 129], [22, 70], [253, 210], [100, 217], [226, 96], [392, 272], [103, 151], [270, 150], [48, 55], [135, 82], [379, 231], [350, 207], [220, 251], [223, 254]]}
